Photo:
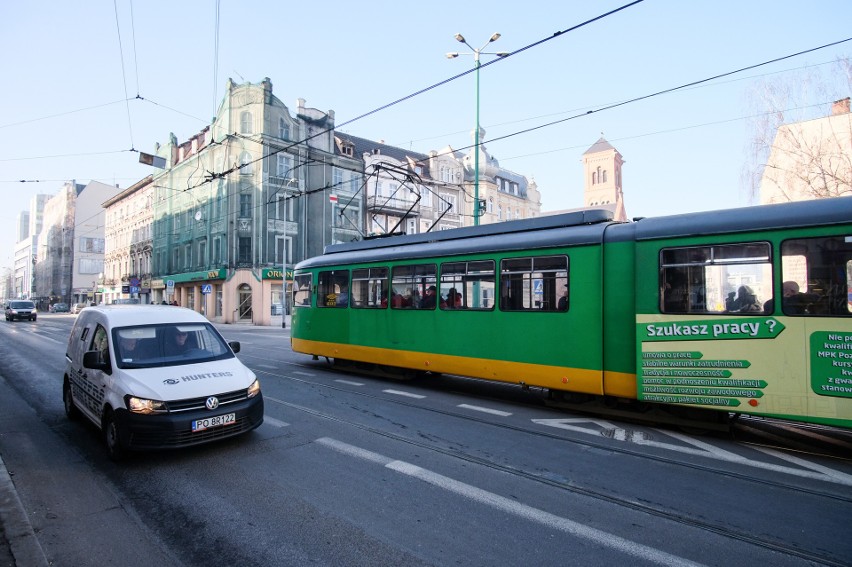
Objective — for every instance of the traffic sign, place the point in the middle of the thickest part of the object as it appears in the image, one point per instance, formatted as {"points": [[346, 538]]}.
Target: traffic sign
{"points": [[206, 288], [170, 284]]}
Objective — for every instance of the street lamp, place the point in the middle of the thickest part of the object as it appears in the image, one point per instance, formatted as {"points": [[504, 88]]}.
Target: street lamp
{"points": [[476, 53]]}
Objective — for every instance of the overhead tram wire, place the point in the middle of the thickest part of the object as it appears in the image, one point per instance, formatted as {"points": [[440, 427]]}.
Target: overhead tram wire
{"points": [[123, 74], [135, 57], [666, 91], [429, 88], [213, 176], [216, 57]]}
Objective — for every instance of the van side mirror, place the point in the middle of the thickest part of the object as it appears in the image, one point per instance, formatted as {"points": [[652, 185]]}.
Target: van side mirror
{"points": [[93, 360], [235, 346]]}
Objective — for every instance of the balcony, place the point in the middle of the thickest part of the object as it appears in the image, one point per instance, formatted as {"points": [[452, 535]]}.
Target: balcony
{"points": [[387, 205]]}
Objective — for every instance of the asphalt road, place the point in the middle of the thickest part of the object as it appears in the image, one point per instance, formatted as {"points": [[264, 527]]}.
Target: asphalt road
{"points": [[353, 470]]}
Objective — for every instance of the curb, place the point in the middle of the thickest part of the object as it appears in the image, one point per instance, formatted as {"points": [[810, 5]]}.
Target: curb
{"points": [[26, 550]]}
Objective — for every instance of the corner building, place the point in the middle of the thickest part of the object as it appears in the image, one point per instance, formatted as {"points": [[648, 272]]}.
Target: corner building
{"points": [[244, 200]]}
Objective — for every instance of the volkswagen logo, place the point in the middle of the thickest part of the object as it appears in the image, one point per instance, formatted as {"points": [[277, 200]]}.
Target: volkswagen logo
{"points": [[212, 403]]}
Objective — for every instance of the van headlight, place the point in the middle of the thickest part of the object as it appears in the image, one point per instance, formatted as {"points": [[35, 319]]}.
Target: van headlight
{"points": [[145, 406], [254, 389]]}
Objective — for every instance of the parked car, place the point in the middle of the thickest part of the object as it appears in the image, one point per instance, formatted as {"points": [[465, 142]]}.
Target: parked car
{"points": [[59, 308], [21, 309], [154, 377], [78, 307]]}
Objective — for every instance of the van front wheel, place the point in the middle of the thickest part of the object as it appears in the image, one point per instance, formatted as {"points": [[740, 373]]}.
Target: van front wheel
{"points": [[70, 409], [111, 437]]}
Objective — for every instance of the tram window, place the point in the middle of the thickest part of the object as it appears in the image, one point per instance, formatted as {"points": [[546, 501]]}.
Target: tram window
{"points": [[302, 290], [467, 285], [534, 284], [723, 278], [333, 289], [817, 276], [370, 288], [411, 287]]}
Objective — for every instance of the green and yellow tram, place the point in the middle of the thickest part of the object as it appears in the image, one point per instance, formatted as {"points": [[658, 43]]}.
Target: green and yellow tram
{"points": [[745, 310]]}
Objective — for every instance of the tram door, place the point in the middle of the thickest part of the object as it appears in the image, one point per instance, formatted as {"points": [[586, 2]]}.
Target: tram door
{"points": [[244, 310]]}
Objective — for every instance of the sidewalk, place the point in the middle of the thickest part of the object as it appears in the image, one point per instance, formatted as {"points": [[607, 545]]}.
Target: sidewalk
{"points": [[18, 543]]}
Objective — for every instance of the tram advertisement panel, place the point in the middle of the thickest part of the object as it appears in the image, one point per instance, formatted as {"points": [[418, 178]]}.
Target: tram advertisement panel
{"points": [[778, 366]]}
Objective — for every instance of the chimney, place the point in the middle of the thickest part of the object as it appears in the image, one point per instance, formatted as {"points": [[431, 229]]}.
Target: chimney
{"points": [[840, 107]]}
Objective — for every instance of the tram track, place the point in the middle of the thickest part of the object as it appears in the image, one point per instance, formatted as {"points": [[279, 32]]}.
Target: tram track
{"points": [[691, 521], [657, 511]]}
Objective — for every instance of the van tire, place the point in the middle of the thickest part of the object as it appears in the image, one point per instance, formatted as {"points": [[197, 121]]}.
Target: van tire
{"points": [[68, 401], [112, 440]]}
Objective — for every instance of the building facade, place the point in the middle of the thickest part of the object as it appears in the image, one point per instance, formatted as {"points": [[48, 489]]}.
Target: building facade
{"points": [[506, 195], [810, 159], [70, 246], [602, 178], [28, 228], [243, 201], [402, 196], [128, 244]]}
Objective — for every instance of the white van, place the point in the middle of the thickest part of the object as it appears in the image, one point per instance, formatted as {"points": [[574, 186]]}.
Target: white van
{"points": [[156, 377]]}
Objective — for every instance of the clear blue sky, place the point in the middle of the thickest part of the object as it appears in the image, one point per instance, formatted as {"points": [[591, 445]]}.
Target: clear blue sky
{"points": [[64, 116]]}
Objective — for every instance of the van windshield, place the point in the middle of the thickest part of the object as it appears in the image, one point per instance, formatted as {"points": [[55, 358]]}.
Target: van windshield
{"points": [[168, 345], [22, 305]]}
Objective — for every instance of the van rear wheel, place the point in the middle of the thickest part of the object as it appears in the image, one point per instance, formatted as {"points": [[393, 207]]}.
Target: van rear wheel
{"points": [[111, 437]]}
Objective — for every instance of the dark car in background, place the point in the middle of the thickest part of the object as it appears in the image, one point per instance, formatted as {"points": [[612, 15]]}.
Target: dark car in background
{"points": [[60, 308], [21, 309]]}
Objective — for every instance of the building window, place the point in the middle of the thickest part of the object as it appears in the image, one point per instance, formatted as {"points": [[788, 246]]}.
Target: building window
{"points": [[246, 165], [245, 123], [217, 250], [337, 177], [245, 206], [594, 178], [603, 176], [284, 164], [202, 253], [283, 129], [451, 202], [244, 252]]}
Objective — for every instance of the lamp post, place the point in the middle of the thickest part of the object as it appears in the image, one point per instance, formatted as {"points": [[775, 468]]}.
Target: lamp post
{"points": [[476, 53]]}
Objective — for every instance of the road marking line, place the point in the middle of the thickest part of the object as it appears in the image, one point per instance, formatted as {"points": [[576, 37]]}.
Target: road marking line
{"points": [[511, 506], [407, 394], [843, 478], [702, 449], [485, 410], [351, 383]]}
